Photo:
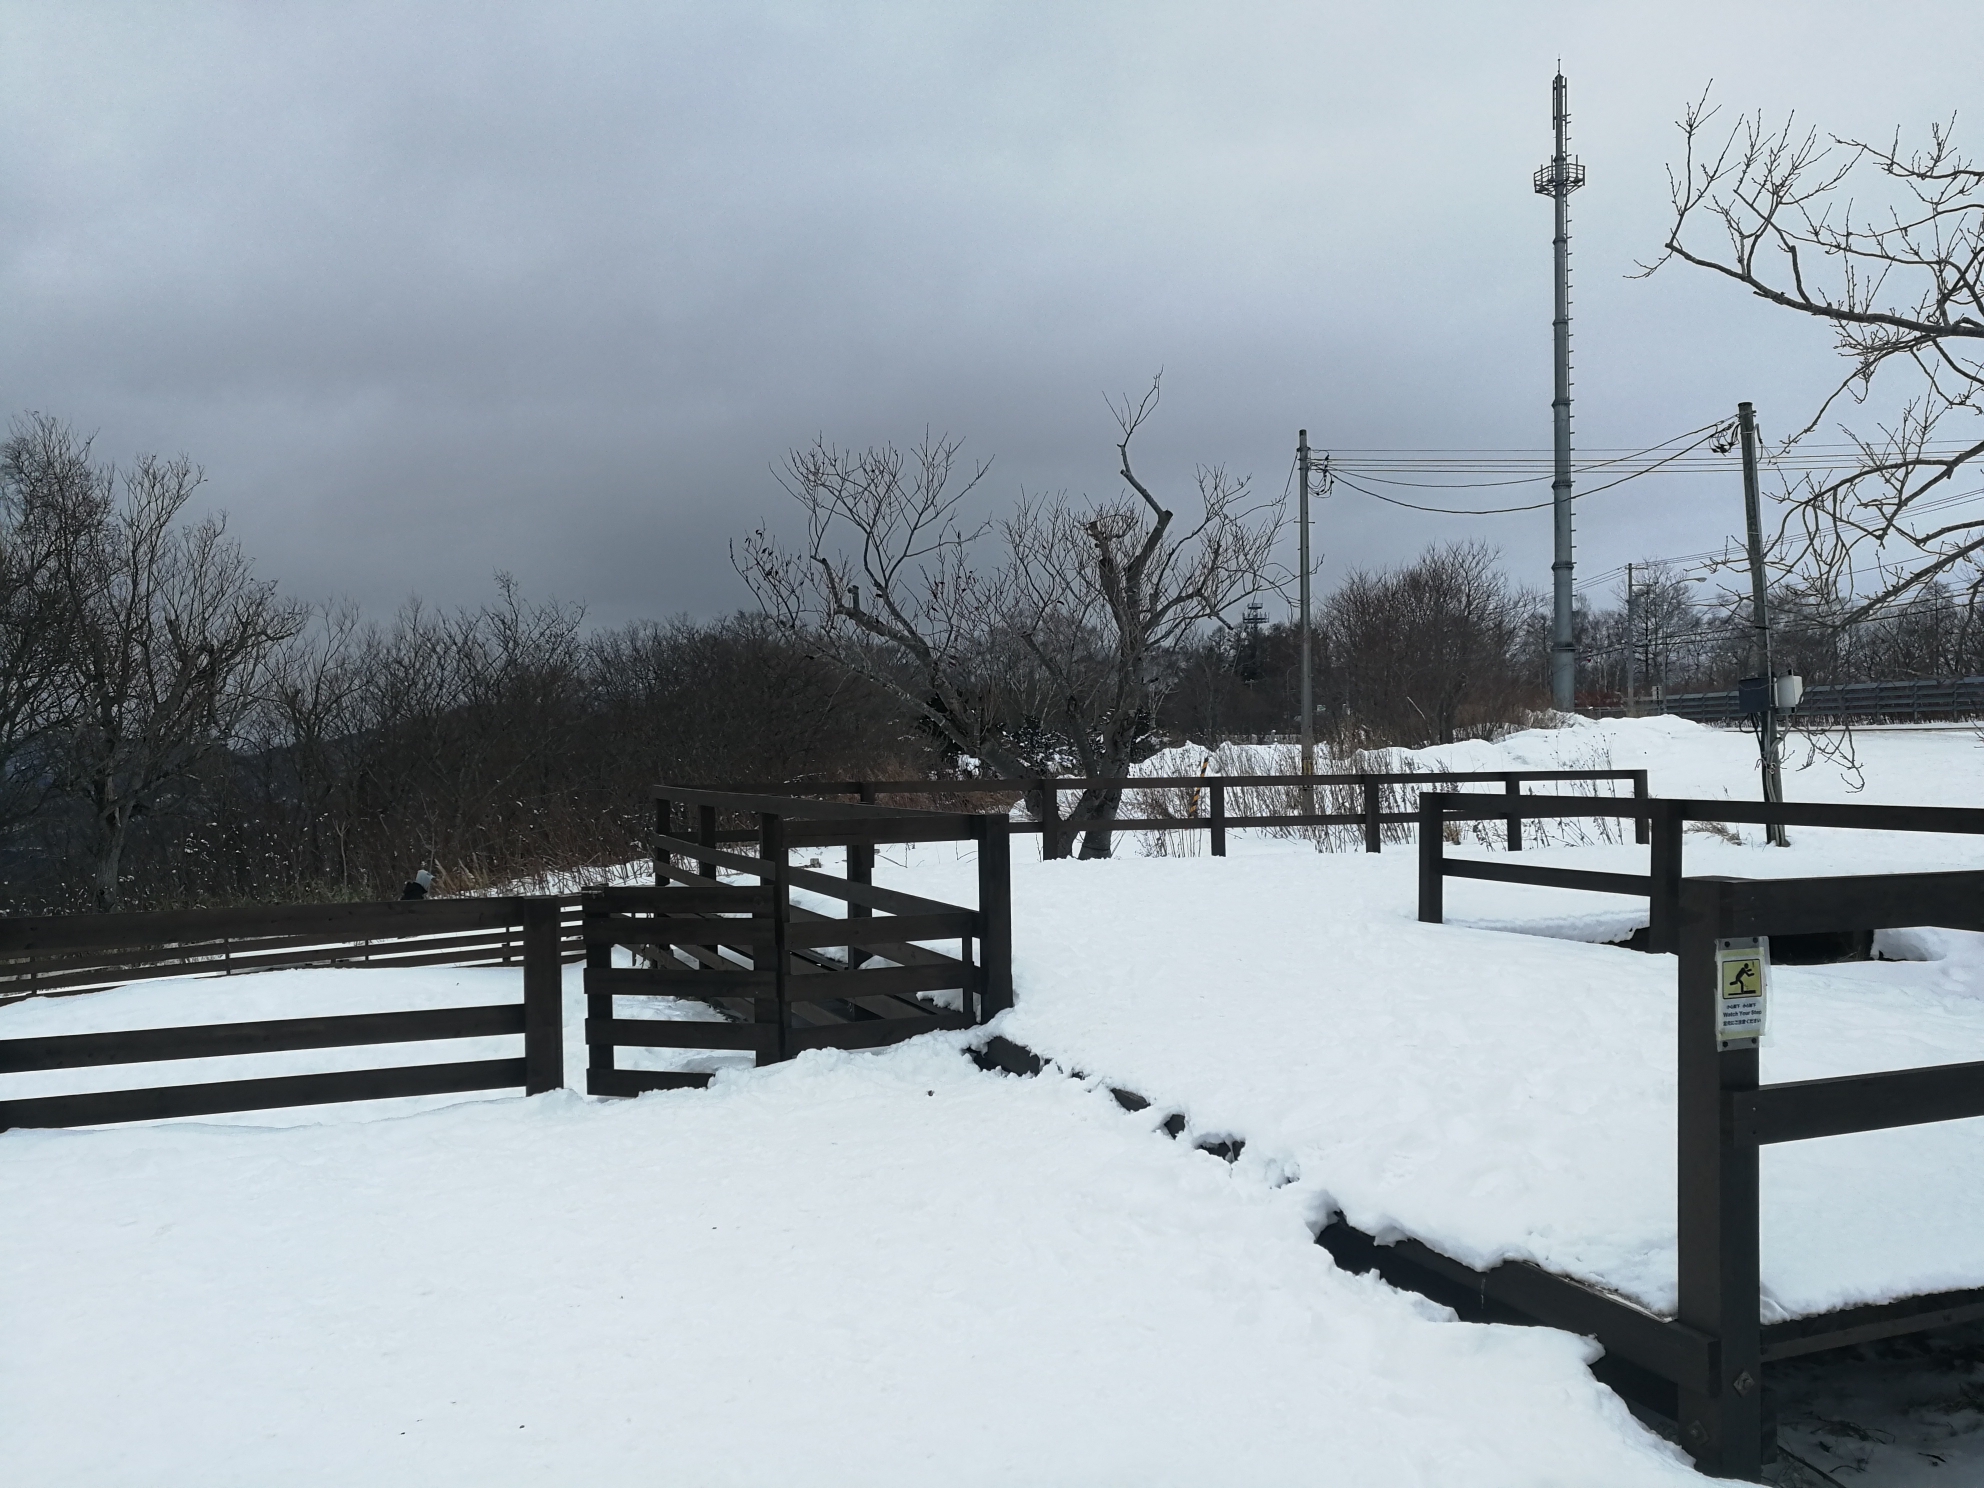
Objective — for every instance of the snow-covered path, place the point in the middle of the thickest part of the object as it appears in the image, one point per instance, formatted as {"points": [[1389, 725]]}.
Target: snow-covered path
{"points": [[1494, 1094], [852, 1270]]}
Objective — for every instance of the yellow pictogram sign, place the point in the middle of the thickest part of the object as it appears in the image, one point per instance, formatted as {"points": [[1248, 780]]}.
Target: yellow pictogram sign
{"points": [[1742, 976], [1742, 973]]}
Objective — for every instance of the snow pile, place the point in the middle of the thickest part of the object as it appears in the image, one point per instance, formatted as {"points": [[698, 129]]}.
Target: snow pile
{"points": [[1935, 765], [1220, 759], [861, 1270]]}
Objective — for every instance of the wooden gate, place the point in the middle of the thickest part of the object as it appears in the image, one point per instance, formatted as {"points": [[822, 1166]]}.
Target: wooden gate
{"points": [[782, 976]]}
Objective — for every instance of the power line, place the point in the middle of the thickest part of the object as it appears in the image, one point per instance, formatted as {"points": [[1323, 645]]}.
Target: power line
{"points": [[1496, 511]]}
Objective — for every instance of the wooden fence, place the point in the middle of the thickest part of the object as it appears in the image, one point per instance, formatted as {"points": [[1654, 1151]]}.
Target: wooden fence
{"points": [[783, 977], [1705, 1367], [1056, 833], [1660, 823], [62, 955]]}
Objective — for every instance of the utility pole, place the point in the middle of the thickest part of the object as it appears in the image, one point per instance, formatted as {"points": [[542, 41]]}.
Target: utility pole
{"points": [[1746, 423], [1558, 180], [1308, 692], [1631, 645]]}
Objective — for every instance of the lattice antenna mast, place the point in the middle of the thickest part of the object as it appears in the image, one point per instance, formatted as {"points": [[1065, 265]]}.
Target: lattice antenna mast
{"points": [[1558, 180]]}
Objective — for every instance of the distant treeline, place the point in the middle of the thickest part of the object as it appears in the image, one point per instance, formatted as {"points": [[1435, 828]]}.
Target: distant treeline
{"points": [[173, 730]]}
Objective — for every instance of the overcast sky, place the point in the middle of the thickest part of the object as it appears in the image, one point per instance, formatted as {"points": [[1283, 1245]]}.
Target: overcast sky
{"points": [[433, 291]]}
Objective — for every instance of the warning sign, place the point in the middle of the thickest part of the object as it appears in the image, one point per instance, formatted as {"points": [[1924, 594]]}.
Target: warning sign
{"points": [[1742, 975]]}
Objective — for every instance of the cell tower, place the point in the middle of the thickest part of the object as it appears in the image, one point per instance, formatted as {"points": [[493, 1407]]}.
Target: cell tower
{"points": [[1558, 180], [1251, 625]]}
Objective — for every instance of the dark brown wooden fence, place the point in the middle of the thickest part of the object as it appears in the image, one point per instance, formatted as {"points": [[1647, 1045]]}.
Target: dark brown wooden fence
{"points": [[65, 955], [1369, 788], [781, 977], [1662, 823], [1705, 1368]]}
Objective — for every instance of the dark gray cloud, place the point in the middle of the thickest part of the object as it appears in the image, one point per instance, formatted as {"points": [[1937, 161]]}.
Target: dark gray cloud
{"points": [[434, 291]]}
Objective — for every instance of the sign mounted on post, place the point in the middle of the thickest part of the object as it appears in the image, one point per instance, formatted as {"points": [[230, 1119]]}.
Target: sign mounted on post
{"points": [[1742, 981]]}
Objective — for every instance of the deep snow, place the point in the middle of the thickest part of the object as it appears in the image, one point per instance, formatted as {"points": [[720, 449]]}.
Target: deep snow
{"points": [[894, 1268], [849, 1270]]}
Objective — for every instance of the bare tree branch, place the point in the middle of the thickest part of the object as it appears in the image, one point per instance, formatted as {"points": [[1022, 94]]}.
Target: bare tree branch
{"points": [[1885, 247]]}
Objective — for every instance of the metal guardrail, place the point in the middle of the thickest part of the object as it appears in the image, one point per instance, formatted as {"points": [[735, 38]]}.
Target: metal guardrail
{"points": [[1919, 700]]}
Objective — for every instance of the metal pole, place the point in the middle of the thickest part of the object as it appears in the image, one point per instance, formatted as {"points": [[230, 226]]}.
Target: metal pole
{"points": [[1746, 422], [1560, 178], [1308, 693], [1631, 643]]}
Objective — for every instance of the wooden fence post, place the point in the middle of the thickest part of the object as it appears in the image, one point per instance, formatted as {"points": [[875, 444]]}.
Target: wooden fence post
{"points": [[1641, 826], [1432, 843], [1721, 1418], [544, 998], [706, 835], [1050, 820], [771, 951], [995, 916], [599, 1005], [1373, 835], [861, 870], [1512, 786], [664, 826], [1664, 896], [1218, 818]]}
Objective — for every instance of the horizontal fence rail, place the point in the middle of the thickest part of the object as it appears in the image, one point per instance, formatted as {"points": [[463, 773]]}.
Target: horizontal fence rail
{"points": [[1056, 831], [52, 954], [61, 955], [1663, 822]]}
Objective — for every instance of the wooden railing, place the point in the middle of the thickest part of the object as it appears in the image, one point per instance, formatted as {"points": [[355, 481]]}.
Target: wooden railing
{"points": [[1713, 1353], [63, 955], [1662, 823], [1368, 788], [779, 976]]}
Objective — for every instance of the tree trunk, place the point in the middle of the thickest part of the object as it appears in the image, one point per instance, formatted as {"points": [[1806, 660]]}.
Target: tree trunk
{"points": [[112, 825], [1102, 806]]}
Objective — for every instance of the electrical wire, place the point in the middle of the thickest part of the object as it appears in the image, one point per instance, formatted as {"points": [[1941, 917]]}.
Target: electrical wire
{"points": [[1448, 511], [1583, 468], [1336, 472]]}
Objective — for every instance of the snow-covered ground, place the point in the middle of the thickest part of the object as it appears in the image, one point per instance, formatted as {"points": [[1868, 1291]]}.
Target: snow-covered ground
{"points": [[854, 1269], [1926, 764], [1493, 1094], [892, 1267]]}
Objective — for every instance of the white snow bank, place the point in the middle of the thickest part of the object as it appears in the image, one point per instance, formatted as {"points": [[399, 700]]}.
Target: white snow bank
{"points": [[1498, 1094], [1930, 766], [861, 1270]]}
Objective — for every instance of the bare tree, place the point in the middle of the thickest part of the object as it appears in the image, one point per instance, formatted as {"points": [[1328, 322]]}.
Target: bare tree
{"points": [[165, 630], [1033, 643], [1886, 248], [46, 485], [1429, 653]]}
